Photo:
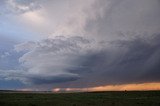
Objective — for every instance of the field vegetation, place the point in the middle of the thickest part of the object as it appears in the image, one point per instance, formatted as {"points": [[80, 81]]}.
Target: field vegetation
{"points": [[112, 98]]}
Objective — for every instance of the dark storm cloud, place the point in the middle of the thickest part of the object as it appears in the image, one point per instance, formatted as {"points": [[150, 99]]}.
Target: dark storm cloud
{"points": [[51, 80], [47, 61], [74, 61], [130, 61]]}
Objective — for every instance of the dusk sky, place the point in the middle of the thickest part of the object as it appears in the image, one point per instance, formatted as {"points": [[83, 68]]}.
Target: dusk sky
{"points": [[80, 44]]}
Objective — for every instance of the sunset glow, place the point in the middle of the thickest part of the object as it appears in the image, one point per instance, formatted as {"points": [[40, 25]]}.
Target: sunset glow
{"points": [[128, 87], [124, 87]]}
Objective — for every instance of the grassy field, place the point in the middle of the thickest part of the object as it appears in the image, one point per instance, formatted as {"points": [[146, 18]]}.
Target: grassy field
{"points": [[134, 98]]}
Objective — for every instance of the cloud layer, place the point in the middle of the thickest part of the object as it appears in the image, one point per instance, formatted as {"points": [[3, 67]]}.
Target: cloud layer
{"points": [[49, 60], [84, 62], [85, 44]]}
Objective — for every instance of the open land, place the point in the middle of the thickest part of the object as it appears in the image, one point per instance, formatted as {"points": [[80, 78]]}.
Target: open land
{"points": [[108, 98]]}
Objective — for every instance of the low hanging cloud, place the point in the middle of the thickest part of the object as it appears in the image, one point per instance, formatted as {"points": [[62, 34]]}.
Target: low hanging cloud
{"points": [[49, 60], [82, 62], [135, 60]]}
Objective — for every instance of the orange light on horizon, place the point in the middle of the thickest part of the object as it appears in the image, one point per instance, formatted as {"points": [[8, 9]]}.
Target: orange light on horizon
{"points": [[129, 87], [123, 87]]}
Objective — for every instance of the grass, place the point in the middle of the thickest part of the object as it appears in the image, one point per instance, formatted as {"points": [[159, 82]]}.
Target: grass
{"points": [[130, 98]]}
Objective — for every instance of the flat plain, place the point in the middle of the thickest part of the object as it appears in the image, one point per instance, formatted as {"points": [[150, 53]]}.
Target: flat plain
{"points": [[109, 98]]}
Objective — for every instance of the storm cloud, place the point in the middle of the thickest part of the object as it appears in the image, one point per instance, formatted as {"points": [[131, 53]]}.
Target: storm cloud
{"points": [[63, 59], [133, 61], [92, 43]]}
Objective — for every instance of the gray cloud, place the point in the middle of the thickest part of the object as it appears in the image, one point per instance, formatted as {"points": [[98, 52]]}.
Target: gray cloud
{"points": [[118, 44], [127, 61], [19, 6], [47, 61], [75, 62], [136, 16]]}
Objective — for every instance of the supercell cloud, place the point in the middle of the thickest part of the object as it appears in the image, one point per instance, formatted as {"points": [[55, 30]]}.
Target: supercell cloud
{"points": [[79, 45]]}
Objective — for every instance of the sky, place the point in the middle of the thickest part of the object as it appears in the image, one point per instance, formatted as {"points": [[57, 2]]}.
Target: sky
{"points": [[77, 45]]}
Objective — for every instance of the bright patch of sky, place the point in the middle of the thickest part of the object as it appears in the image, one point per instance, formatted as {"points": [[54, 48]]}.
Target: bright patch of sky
{"points": [[15, 31]]}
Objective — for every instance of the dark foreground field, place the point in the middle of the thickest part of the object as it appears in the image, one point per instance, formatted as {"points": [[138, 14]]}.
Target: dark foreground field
{"points": [[143, 98]]}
